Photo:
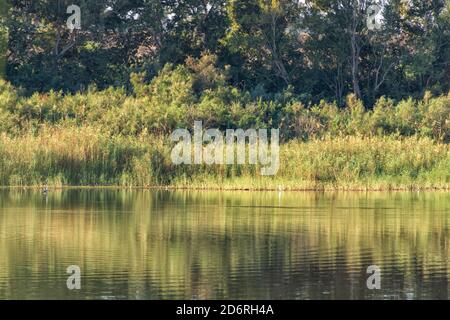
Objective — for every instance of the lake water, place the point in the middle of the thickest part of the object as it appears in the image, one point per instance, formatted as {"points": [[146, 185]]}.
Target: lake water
{"points": [[231, 245]]}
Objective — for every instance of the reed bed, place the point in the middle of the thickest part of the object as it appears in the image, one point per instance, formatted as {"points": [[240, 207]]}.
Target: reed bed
{"points": [[85, 156]]}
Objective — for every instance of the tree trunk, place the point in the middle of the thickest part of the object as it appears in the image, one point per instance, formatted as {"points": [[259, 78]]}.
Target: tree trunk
{"points": [[356, 49]]}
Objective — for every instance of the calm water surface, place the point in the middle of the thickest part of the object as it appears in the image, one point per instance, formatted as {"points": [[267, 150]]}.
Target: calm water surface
{"points": [[235, 245]]}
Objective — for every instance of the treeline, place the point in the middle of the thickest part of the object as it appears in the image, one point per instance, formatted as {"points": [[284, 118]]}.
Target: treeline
{"points": [[313, 49], [198, 90]]}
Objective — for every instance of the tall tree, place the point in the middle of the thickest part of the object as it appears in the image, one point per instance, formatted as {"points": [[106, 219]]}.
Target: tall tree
{"points": [[401, 55], [4, 35], [46, 54], [193, 27], [259, 33]]}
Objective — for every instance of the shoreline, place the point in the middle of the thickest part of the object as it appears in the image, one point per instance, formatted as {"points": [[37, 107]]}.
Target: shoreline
{"points": [[227, 189]]}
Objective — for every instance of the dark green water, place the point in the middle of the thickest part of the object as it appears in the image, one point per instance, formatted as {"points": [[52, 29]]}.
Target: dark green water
{"points": [[236, 245]]}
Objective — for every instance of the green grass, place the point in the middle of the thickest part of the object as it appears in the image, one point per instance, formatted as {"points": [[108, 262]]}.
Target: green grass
{"points": [[84, 156]]}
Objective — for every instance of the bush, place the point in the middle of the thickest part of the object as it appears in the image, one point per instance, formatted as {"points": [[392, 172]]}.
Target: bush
{"points": [[180, 95], [435, 120]]}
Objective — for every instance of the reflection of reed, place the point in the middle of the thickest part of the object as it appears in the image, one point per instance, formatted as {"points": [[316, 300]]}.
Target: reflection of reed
{"points": [[212, 245]]}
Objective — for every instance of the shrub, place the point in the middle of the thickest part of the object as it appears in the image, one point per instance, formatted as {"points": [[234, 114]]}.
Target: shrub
{"points": [[435, 122]]}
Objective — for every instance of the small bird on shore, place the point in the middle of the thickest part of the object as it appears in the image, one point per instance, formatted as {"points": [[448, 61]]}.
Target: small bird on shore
{"points": [[45, 190]]}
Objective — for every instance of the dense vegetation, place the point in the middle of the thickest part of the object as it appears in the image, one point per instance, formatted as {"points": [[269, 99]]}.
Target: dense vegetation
{"points": [[356, 109], [321, 49], [108, 137]]}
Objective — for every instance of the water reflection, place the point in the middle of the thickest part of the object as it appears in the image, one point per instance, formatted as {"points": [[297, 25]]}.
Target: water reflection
{"points": [[209, 245]]}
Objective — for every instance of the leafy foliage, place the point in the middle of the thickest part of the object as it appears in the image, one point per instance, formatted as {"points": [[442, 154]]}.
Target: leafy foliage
{"points": [[320, 49]]}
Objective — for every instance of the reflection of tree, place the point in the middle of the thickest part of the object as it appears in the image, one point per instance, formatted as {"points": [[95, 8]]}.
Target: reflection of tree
{"points": [[147, 244]]}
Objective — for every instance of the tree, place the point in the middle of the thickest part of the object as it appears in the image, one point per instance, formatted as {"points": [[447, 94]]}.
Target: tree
{"points": [[114, 35], [192, 27], [4, 10], [259, 33], [405, 55]]}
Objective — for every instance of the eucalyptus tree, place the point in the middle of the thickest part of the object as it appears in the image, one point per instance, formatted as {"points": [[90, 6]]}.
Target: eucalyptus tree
{"points": [[114, 34], [397, 50], [4, 11], [260, 32]]}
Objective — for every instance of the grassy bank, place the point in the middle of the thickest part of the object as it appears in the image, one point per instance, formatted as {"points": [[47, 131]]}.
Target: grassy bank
{"points": [[117, 138], [87, 156]]}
